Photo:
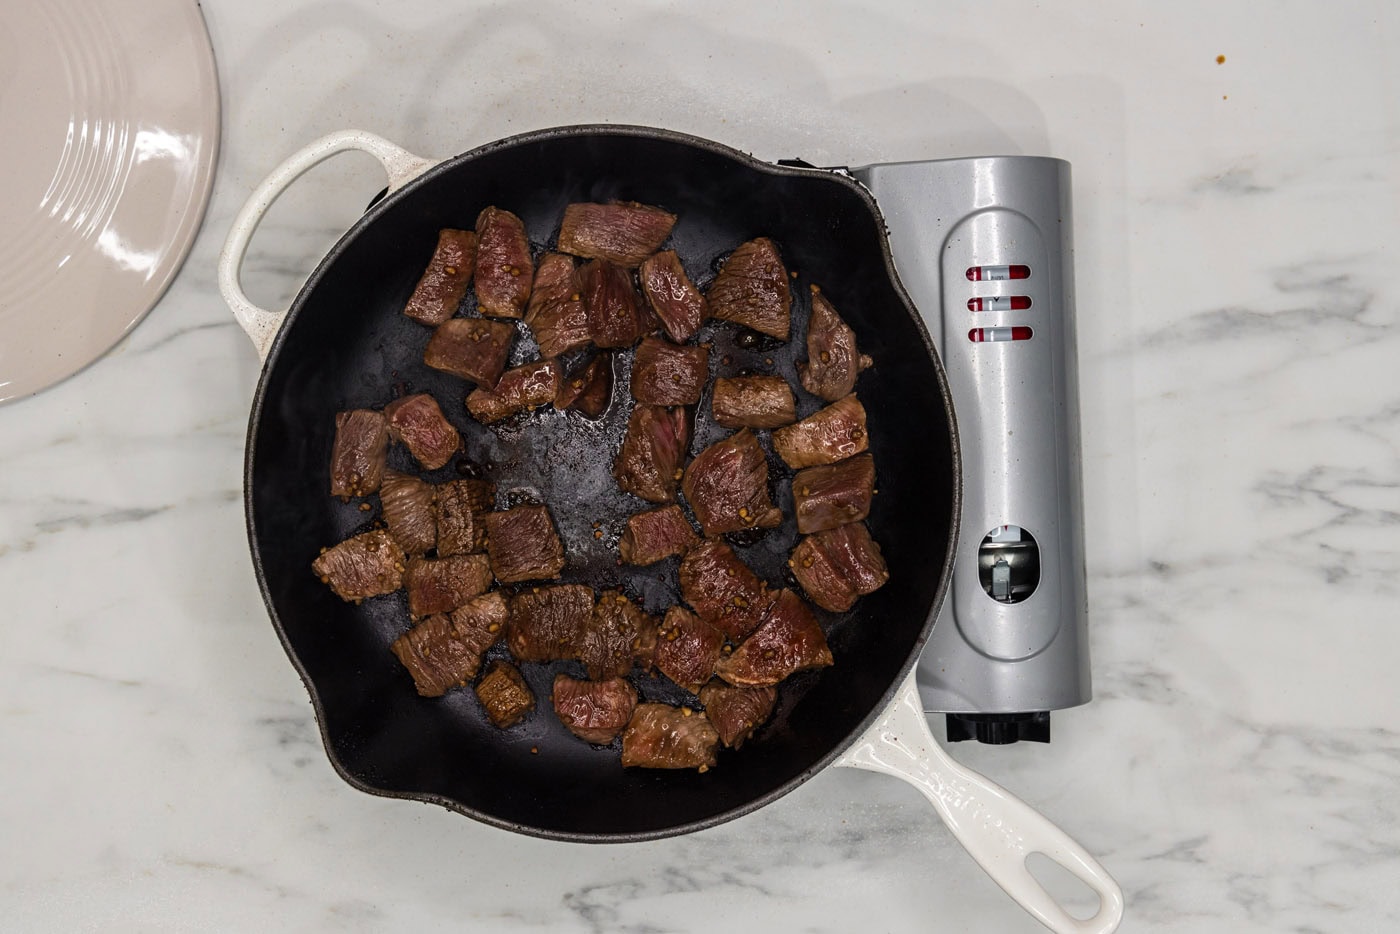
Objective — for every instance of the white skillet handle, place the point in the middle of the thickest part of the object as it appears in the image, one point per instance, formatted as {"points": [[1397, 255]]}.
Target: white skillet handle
{"points": [[997, 828], [260, 324]]}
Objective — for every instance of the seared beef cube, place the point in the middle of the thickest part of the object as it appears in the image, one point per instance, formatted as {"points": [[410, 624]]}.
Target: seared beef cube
{"points": [[615, 314], [722, 589], [364, 566], [621, 232], [445, 651], [445, 281], [649, 464], [830, 435], [442, 585], [831, 496], [833, 362], [656, 534], [753, 402], [617, 634], [409, 511], [358, 453], [417, 422], [523, 544], [503, 267], [664, 373], [556, 315], [672, 296], [471, 348], [589, 390], [548, 623], [504, 694], [461, 508], [838, 566], [687, 648], [664, 737], [481, 623], [727, 486], [752, 289], [737, 712], [594, 711], [789, 640], [527, 386]]}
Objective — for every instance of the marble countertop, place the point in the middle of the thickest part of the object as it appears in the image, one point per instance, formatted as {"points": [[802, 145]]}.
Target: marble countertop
{"points": [[1236, 172]]}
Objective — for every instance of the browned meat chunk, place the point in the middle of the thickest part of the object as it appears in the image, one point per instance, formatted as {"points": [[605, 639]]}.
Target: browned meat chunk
{"points": [[615, 314], [589, 390], [832, 434], [503, 267], [753, 402], [723, 590], [838, 566], [671, 294], [622, 232], [594, 711], [789, 640], [654, 535], [687, 648], [556, 315], [358, 453], [727, 486], [442, 585], [664, 737], [619, 634], [504, 694], [752, 289], [417, 422], [737, 712], [471, 348], [548, 623], [461, 507], [833, 362], [831, 496], [653, 450], [527, 386], [664, 373], [523, 544], [364, 566], [445, 281], [444, 651], [409, 511]]}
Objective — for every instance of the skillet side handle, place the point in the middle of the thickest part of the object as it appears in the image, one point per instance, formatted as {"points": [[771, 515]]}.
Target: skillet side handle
{"points": [[995, 827], [260, 324]]}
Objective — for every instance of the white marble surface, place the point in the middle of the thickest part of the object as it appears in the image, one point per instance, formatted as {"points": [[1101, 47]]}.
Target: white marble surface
{"points": [[1239, 303]]}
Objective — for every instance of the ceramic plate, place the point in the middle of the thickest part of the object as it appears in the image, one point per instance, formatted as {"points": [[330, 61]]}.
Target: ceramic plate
{"points": [[109, 111]]}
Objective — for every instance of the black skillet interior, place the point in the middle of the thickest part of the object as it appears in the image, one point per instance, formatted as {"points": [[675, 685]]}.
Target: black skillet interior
{"points": [[345, 345]]}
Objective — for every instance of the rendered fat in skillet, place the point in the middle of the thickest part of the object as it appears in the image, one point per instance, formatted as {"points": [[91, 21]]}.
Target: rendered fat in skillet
{"points": [[832, 434], [547, 623], [410, 511], [358, 453], [556, 314], [727, 486], [687, 648], [589, 390], [462, 506], [737, 712], [833, 495], [672, 296], [753, 402], [441, 585], [525, 387], [790, 640], [752, 289], [363, 566], [833, 362], [664, 373], [505, 695], [504, 270], [838, 566], [653, 450], [473, 348], [445, 281], [523, 545], [418, 423], [664, 737], [623, 232], [594, 711], [655, 534], [723, 589]]}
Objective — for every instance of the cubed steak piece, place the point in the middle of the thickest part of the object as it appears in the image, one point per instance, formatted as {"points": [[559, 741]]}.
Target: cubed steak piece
{"points": [[660, 736], [831, 434], [503, 267], [654, 535], [619, 634], [672, 296], [752, 289], [358, 453], [481, 622], [687, 648], [363, 566], [653, 450], [594, 711], [527, 386], [664, 373], [589, 390], [622, 232], [471, 348], [727, 486], [444, 651], [838, 566], [833, 362], [753, 402], [445, 281], [789, 640], [418, 423], [504, 694], [523, 544], [723, 590], [548, 623], [461, 509], [442, 585], [557, 316], [616, 317], [737, 712], [831, 496], [409, 507]]}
